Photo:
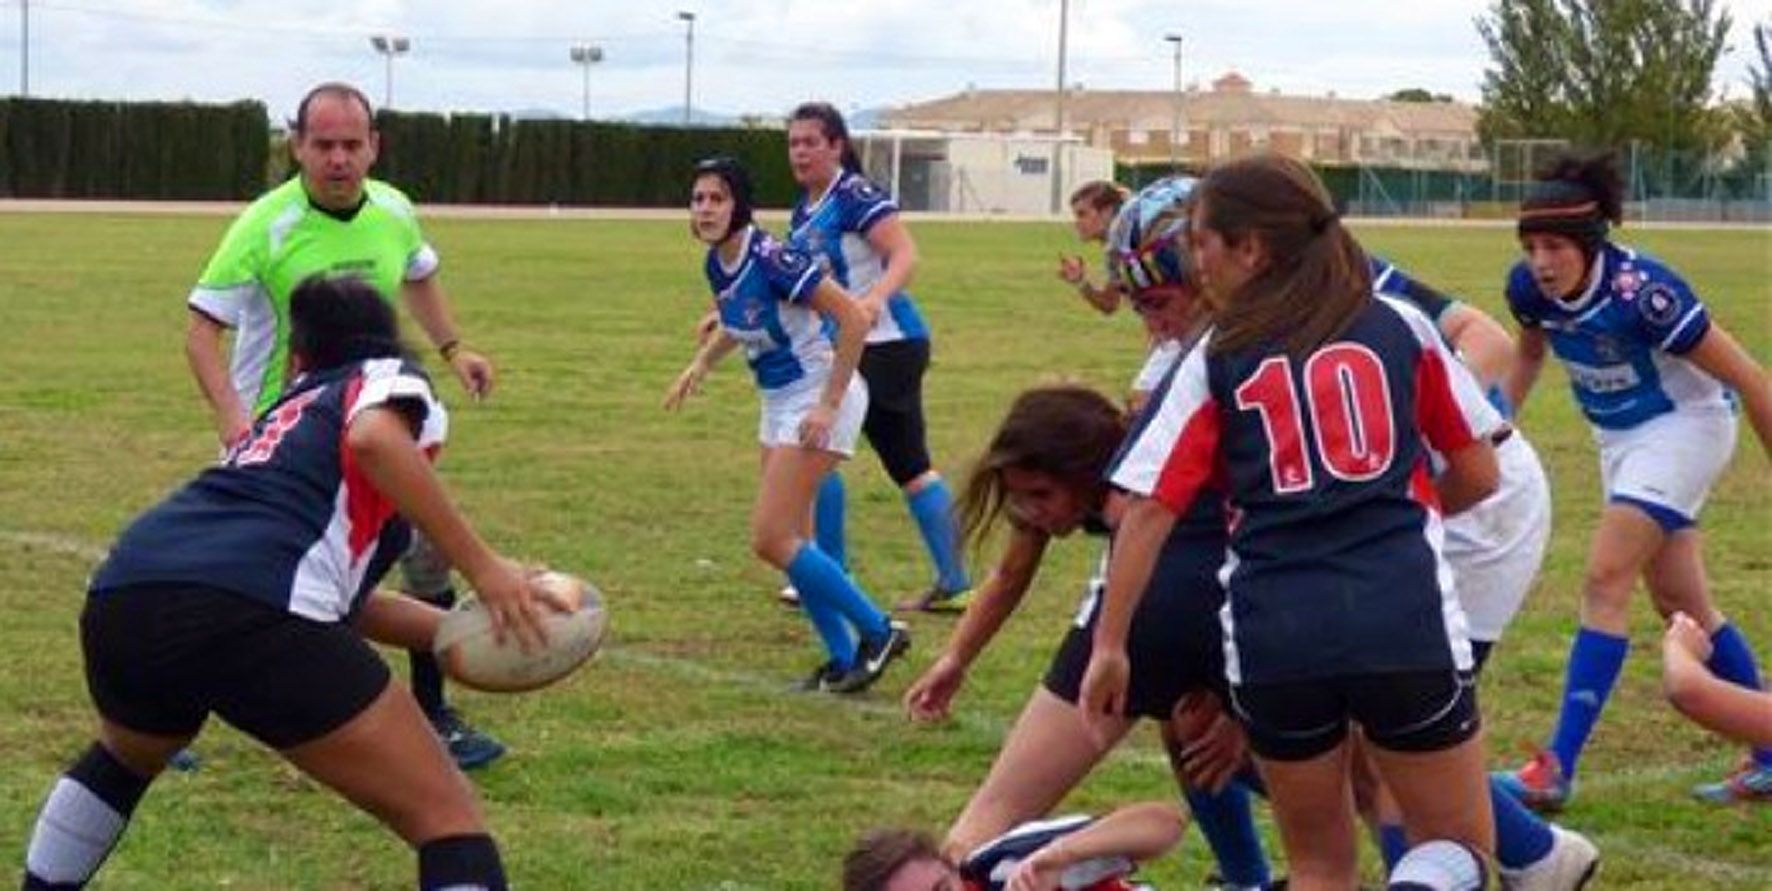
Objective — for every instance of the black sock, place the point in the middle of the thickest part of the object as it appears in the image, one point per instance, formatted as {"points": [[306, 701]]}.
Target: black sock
{"points": [[460, 861], [427, 675], [85, 814]]}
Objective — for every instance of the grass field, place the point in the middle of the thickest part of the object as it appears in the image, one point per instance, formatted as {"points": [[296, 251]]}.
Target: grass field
{"points": [[675, 761]]}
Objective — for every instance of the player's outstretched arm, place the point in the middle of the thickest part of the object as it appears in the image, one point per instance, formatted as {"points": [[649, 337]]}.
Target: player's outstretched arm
{"points": [[709, 354], [1138, 832], [930, 697], [381, 441], [1723, 357], [1734, 711]]}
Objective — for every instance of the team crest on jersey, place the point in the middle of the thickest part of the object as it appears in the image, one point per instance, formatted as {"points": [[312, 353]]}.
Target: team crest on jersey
{"points": [[1659, 304], [1627, 281], [864, 190]]}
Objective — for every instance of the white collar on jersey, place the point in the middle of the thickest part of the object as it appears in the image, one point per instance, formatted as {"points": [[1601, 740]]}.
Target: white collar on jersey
{"points": [[744, 252], [1594, 275]]}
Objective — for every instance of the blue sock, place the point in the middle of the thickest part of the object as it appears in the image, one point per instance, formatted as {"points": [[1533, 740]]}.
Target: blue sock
{"points": [[827, 518], [1229, 827], [1393, 844], [933, 508], [1595, 659], [1521, 838], [1733, 660], [830, 590]]}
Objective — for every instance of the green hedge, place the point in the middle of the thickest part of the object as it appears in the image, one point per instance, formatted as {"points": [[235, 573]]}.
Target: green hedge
{"points": [[59, 149], [475, 159]]}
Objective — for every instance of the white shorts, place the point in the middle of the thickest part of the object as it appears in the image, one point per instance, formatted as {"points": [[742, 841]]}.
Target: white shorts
{"points": [[1668, 462], [1497, 546], [783, 410], [1162, 358]]}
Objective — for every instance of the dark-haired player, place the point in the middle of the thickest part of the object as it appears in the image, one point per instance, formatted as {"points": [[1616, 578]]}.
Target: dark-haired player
{"points": [[774, 302], [246, 594], [1653, 373]]}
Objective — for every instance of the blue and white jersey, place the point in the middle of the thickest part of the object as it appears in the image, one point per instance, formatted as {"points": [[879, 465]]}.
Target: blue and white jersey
{"points": [[765, 304], [1621, 340], [288, 518], [1388, 278], [834, 229]]}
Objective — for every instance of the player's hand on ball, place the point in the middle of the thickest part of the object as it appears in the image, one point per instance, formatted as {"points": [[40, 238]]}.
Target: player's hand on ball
{"points": [[1071, 270], [505, 591]]}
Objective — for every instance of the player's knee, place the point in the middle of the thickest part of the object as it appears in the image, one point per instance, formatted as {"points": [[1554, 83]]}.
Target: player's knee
{"points": [[774, 543]]}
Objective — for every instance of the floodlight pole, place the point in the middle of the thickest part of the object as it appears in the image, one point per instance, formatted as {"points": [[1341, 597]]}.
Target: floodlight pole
{"points": [[586, 55], [1064, 16], [24, 49], [688, 63], [389, 46], [1175, 126]]}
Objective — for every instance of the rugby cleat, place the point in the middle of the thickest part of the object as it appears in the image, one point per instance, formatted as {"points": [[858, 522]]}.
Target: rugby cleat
{"points": [[469, 747], [1747, 784], [820, 680], [1540, 784], [873, 657], [1570, 865], [935, 600]]}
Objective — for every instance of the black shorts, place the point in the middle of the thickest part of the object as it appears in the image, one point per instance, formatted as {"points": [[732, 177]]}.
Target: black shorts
{"points": [[161, 658], [1175, 644], [1414, 711], [894, 422]]}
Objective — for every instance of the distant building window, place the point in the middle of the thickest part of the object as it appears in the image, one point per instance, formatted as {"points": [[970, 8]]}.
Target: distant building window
{"points": [[1030, 165], [1137, 137]]}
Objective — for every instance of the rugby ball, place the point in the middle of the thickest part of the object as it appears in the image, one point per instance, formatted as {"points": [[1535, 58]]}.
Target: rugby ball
{"points": [[467, 650]]}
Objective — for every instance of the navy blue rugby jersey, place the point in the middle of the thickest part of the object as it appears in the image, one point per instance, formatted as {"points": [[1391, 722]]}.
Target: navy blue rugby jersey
{"points": [[1622, 340], [288, 517], [1334, 564]]}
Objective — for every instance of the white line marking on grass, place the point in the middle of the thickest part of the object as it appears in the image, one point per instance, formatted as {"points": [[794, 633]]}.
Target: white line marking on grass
{"points": [[59, 544]]}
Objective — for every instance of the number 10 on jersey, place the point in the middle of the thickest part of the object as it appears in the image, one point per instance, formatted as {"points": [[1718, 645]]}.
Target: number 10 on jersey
{"points": [[1347, 396]]}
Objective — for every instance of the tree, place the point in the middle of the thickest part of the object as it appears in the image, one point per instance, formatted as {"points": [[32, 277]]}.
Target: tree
{"points": [[1602, 72], [1417, 94], [1755, 119]]}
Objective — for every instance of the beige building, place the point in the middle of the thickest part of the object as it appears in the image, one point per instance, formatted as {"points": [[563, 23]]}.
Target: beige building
{"points": [[1232, 118]]}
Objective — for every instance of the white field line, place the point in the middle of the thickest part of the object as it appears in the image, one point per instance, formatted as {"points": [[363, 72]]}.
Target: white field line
{"points": [[1610, 781]]}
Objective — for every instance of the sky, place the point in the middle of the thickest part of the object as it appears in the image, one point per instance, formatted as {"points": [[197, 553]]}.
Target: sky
{"points": [[750, 56]]}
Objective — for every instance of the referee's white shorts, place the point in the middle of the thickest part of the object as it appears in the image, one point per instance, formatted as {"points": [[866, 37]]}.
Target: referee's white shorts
{"points": [[1667, 464], [783, 410], [1497, 547]]}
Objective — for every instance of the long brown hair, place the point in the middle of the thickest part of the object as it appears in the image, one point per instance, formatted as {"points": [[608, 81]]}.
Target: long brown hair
{"points": [[878, 855], [1316, 279], [1070, 432]]}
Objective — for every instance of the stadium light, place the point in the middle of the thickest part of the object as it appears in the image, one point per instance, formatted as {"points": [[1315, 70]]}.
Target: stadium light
{"points": [[1064, 17], [688, 62], [24, 49], [585, 55], [1175, 125], [389, 46]]}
